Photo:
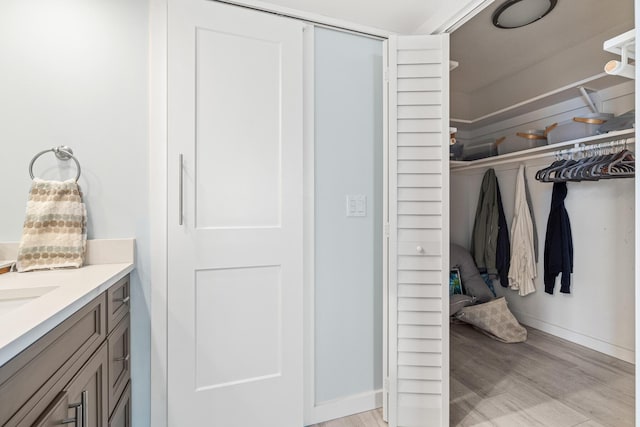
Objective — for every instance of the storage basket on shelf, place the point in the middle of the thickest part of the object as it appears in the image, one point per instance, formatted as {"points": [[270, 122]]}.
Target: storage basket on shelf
{"points": [[621, 122], [578, 127], [480, 150], [523, 141], [455, 151]]}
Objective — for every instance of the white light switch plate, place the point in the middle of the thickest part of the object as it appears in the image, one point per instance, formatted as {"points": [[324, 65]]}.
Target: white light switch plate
{"points": [[356, 205]]}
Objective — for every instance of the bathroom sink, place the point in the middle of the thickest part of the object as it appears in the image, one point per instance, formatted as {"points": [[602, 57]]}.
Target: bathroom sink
{"points": [[10, 299]]}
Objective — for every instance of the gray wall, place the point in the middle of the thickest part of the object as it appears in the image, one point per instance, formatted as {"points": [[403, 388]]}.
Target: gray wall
{"points": [[74, 72], [348, 250]]}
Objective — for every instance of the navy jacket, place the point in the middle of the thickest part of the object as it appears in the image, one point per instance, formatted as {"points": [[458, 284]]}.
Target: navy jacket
{"points": [[503, 246], [558, 245]]}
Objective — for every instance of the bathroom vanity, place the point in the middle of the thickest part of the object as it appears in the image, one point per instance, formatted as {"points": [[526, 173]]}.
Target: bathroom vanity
{"points": [[65, 345]]}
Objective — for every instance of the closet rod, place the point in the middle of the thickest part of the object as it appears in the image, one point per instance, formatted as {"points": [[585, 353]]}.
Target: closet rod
{"points": [[575, 149]]}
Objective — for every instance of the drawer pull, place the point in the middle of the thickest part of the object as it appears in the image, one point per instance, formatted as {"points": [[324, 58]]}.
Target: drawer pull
{"points": [[124, 300], [79, 407], [122, 359]]}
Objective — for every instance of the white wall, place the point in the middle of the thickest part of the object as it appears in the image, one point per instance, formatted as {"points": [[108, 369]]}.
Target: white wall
{"points": [[74, 72], [600, 310], [348, 250]]}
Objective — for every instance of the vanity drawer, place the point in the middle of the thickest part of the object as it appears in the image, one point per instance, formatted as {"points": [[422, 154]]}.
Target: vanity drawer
{"points": [[119, 343], [117, 302], [27, 382]]}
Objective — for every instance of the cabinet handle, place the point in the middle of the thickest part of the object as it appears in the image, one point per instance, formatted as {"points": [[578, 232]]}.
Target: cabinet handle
{"points": [[124, 300], [124, 360], [180, 173], [84, 410], [79, 407]]}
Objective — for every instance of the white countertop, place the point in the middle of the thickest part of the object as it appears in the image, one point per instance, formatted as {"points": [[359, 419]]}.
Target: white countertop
{"points": [[25, 324]]}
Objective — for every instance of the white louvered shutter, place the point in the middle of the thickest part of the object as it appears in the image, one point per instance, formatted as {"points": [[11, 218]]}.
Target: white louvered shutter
{"points": [[418, 335]]}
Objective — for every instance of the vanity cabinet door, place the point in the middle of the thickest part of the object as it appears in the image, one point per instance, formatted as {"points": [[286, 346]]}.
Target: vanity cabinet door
{"points": [[34, 378], [121, 416], [87, 405], [56, 414], [119, 361], [118, 300]]}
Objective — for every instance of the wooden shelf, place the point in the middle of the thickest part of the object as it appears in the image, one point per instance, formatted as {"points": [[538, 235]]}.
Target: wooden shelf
{"points": [[539, 152]]}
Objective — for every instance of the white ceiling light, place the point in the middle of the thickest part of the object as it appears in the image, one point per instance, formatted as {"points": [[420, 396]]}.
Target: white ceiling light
{"points": [[518, 13]]}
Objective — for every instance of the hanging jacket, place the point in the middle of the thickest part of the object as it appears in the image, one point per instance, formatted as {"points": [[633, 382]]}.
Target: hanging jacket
{"points": [[523, 259], [490, 237], [503, 247], [558, 245]]}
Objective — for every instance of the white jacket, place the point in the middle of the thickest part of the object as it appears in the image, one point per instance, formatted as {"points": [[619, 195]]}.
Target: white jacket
{"points": [[523, 260]]}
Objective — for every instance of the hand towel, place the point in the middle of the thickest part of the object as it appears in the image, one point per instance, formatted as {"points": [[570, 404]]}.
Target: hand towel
{"points": [[55, 227]]}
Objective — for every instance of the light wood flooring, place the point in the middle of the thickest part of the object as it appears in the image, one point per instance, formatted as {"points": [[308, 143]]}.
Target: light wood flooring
{"points": [[545, 382]]}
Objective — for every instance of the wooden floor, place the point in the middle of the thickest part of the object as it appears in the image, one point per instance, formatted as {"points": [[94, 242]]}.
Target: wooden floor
{"points": [[365, 419], [545, 381]]}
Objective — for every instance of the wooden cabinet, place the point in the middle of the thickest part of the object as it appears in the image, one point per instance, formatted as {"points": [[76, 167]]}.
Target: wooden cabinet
{"points": [[77, 374], [121, 416], [88, 392], [119, 361]]}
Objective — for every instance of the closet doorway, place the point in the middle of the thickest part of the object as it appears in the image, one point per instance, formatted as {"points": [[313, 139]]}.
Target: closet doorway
{"points": [[576, 366]]}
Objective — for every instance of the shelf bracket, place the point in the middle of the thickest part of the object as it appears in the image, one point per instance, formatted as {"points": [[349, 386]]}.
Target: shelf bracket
{"points": [[587, 97]]}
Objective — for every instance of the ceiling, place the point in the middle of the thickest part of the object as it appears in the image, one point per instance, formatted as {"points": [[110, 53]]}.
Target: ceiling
{"points": [[498, 68], [491, 58]]}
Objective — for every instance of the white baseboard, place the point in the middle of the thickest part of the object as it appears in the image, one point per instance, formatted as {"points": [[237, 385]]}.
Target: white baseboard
{"points": [[344, 407], [578, 338]]}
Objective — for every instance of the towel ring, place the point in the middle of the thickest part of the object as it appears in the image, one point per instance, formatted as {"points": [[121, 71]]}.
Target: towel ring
{"points": [[62, 152]]}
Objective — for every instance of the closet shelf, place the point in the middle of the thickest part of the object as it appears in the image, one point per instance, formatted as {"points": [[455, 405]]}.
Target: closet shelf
{"points": [[538, 152], [594, 83]]}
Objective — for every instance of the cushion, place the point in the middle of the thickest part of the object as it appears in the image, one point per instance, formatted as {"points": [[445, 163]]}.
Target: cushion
{"points": [[495, 320], [472, 282], [457, 302]]}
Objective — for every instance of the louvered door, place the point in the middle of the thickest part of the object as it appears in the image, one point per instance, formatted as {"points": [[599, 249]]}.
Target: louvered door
{"points": [[418, 99]]}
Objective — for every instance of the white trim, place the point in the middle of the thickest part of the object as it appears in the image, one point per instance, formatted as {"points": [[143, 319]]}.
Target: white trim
{"points": [[628, 355], [158, 207], [346, 406], [452, 16], [637, 221], [464, 15], [392, 306], [446, 190], [309, 221], [310, 17], [386, 232]]}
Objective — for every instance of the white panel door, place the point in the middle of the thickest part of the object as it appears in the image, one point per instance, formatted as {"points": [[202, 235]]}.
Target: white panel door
{"points": [[418, 298], [235, 219]]}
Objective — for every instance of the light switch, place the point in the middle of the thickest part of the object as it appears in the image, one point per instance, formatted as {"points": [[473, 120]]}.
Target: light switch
{"points": [[356, 205]]}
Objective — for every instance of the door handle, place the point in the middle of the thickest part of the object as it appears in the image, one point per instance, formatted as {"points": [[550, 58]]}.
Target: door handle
{"points": [[180, 193]]}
